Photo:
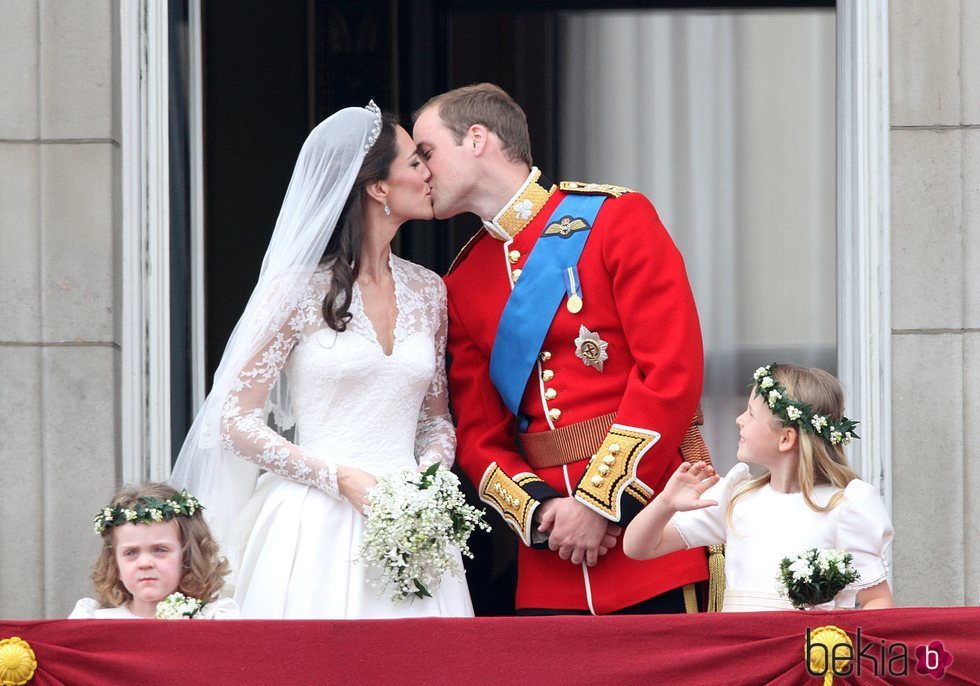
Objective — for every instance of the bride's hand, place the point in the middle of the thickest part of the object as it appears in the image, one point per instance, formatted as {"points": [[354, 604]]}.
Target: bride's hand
{"points": [[354, 485]]}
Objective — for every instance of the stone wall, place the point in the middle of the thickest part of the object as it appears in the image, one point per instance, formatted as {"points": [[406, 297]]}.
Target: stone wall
{"points": [[935, 251], [59, 295]]}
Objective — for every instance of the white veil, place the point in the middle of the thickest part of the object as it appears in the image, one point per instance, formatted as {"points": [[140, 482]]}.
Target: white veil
{"points": [[323, 177]]}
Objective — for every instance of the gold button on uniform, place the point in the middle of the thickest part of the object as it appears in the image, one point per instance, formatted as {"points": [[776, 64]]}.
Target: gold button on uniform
{"points": [[555, 414], [513, 256], [547, 375], [613, 448], [603, 469], [609, 459], [516, 274], [550, 394], [544, 356], [596, 480]]}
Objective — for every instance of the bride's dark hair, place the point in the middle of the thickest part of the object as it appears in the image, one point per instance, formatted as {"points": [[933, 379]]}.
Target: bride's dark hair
{"points": [[343, 252]]}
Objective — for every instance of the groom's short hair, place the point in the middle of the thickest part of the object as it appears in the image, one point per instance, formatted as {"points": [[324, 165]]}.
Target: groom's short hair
{"points": [[487, 104]]}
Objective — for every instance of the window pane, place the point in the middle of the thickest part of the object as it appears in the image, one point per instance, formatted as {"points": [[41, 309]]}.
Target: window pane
{"points": [[726, 121]]}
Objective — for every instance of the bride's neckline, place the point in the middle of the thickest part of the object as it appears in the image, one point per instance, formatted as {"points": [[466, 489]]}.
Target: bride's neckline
{"points": [[393, 334]]}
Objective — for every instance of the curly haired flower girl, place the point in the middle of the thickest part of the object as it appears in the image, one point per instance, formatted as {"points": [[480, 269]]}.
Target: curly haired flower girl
{"points": [[156, 549], [809, 498]]}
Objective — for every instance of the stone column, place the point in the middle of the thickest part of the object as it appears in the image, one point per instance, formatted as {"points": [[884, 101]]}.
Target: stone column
{"points": [[59, 295], [935, 250]]}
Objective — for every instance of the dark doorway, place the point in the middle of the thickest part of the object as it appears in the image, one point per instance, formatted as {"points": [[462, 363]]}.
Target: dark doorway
{"points": [[271, 73]]}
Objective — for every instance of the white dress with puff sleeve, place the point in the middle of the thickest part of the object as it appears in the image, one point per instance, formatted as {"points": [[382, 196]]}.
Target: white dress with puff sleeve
{"points": [[298, 538], [768, 525]]}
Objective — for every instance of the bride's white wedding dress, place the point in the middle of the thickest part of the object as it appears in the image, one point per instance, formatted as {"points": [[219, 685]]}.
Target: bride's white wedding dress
{"points": [[298, 537]]}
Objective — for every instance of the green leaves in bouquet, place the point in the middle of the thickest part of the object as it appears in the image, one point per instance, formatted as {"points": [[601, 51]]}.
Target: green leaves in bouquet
{"points": [[429, 475], [816, 577], [420, 590]]}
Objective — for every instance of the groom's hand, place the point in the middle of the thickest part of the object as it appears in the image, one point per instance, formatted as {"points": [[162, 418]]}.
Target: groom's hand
{"points": [[577, 533]]}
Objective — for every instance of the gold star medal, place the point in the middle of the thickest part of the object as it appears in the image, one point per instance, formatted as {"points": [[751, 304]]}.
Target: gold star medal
{"points": [[590, 349]]}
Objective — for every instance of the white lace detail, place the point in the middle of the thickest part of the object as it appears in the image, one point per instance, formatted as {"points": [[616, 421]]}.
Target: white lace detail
{"points": [[352, 404]]}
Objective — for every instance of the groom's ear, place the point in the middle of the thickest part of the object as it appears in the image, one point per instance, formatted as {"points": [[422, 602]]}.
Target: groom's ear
{"points": [[377, 190], [476, 138]]}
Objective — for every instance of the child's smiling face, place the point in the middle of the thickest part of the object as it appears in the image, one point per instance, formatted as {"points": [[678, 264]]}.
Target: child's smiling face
{"points": [[149, 560]]}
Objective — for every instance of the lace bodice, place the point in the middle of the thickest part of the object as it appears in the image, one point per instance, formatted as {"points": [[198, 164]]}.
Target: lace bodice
{"points": [[352, 404]]}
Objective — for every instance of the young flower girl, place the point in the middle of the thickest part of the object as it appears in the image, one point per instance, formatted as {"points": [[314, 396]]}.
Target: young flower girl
{"points": [[794, 426], [155, 543]]}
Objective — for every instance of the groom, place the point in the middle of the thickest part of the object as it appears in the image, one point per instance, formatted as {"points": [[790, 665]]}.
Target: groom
{"points": [[576, 360]]}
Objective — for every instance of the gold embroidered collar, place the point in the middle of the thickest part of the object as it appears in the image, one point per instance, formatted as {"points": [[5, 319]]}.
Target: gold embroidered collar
{"points": [[522, 208]]}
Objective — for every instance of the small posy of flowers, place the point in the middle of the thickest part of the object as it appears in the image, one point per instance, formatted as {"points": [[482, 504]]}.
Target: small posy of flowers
{"points": [[836, 431], [815, 576], [147, 511], [179, 606], [415, 522]]}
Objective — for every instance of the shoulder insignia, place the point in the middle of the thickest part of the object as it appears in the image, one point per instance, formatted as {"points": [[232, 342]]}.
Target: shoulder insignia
{"points": [[465, 249], [594, 188]]}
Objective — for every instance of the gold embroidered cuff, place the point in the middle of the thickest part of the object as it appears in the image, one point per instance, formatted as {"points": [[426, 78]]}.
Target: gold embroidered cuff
{"points": [[639, 491], [612, 471], [507, 497]]}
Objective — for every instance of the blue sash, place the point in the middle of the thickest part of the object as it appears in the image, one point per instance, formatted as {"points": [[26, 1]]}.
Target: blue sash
{"points": [[533, 303]]}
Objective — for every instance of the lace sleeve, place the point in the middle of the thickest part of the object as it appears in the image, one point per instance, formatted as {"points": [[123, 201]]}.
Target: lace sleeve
{"points": [[435, 437], [244, 430]]}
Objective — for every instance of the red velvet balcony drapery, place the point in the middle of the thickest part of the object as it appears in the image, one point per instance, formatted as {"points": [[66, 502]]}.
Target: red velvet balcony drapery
{"points": [[727, 649]]}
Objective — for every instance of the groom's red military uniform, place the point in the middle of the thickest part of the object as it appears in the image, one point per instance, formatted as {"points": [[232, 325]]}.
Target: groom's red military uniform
{"points": [[608, 403]]}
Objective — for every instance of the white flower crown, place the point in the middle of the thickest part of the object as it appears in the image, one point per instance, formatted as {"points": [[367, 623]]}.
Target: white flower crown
{"points": [[835, 431], [148, 511]]}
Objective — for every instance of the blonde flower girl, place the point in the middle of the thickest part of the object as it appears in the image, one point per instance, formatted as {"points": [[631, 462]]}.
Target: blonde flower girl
{"points": [[808, 498]]}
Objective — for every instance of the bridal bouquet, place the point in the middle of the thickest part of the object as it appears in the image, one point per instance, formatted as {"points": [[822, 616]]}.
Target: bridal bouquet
{"points": [[414, 523], [179, 606], [815, 576]]}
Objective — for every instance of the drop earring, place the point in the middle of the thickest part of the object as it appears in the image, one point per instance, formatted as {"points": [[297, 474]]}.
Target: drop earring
{"points": [[387, 209]]}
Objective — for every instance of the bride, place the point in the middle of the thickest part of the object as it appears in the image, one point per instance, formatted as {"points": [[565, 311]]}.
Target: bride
{"points": [[343, 343]]}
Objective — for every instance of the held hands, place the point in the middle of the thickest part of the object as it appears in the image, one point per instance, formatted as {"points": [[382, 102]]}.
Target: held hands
{"points": [[686, 486], [354, 484], [577, 533]]}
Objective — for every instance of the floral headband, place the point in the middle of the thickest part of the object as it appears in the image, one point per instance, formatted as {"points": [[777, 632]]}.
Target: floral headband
{"points": [[835, 431], [148, 511]]}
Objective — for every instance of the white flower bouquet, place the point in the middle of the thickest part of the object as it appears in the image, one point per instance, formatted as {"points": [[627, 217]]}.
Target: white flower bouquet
{"points": [[816, 576], [415, 521], [179, 606]]}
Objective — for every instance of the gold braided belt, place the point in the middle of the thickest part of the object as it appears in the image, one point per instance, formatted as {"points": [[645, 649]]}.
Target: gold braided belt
{"points": [[566, 444], [579, 441]]}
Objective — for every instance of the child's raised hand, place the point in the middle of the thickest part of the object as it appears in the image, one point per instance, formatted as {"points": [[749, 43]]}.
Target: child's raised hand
{"points": [[686, 486]]}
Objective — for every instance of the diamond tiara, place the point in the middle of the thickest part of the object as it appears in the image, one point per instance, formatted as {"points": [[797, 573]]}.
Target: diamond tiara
{"points": [[376, 130]]}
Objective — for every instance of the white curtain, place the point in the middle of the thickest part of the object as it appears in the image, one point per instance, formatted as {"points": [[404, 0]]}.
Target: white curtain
{"points": [[726, 122]]}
